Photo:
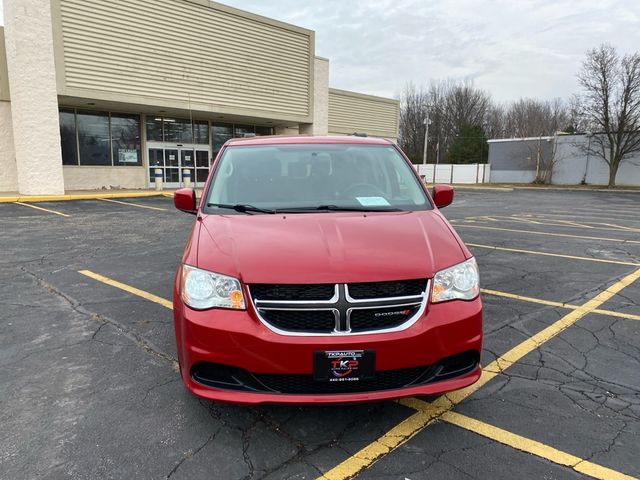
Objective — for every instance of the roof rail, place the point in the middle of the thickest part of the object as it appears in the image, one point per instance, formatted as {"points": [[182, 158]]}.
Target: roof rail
{"points": [[359, 134]]}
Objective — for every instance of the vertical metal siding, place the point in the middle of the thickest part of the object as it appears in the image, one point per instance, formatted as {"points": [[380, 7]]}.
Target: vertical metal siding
{"points": [[353, 112], [188, 52]]}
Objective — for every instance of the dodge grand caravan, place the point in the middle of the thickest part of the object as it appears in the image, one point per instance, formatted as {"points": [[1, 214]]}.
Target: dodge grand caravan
{"points": [[318, 270]]}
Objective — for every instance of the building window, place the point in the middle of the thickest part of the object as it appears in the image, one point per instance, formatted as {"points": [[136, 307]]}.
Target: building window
{"points": [[201, 132], [99, 138], [221, 132], [261, 131], [240, 131], [177, 130], [154, 129], [125, 139], [68, 139], [93, 138]]}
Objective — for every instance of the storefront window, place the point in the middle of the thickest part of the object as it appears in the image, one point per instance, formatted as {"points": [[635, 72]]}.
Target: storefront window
{"points": [[240, 131], [68, 137], [93, 138], [201, 132], [177, 130], [261, 131], [99, 138], [154, 129], [125, 139], [220, 133]]}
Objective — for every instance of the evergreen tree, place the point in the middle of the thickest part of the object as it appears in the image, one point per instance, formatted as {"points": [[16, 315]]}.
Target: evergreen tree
{"points": [[469, 146]]}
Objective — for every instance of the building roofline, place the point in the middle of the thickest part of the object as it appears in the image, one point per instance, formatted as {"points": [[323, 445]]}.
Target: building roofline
{"points": [[308, 139], [350, 93], [521, 139]]}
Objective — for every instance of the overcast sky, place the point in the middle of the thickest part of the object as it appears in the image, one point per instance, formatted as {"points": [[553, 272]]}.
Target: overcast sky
{"points": [[511, 48]]}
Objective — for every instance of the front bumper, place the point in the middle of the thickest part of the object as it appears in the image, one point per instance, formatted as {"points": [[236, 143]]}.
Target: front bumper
{"points": [[239, 340]]}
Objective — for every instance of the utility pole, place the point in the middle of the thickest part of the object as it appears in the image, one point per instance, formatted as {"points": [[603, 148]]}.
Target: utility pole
{"points": [[426, 123], [586, 167]]}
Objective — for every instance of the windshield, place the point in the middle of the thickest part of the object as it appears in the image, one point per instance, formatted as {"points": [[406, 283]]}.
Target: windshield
{"points": [[316, 176]]}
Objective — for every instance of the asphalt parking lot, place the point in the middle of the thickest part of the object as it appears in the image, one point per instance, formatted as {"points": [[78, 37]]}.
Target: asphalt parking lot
{"points": [[90, 387]]}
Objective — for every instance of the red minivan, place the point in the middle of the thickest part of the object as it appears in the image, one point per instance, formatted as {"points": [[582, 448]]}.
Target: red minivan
{"points": [[320, 270]]}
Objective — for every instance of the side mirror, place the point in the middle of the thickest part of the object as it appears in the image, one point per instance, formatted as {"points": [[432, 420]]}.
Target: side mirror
{"points": [[442, 195], [185, 199]]}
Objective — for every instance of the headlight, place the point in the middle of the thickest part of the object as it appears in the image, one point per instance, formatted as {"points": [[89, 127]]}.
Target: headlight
{"points": [[460, 281], [202, 289]]}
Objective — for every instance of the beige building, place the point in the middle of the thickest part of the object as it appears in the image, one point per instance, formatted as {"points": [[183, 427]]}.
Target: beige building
{"points": [[99, 94]]}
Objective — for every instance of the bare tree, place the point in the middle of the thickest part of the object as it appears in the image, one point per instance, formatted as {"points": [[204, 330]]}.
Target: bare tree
{"points": [[463, 104], [450, 106], [495, 121], [577, 123], [530, 117], [611, 105], [413, 101]]}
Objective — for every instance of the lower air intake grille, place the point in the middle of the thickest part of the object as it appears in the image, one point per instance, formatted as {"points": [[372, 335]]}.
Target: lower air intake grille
{"points": [[232, 378], [386, 380]]}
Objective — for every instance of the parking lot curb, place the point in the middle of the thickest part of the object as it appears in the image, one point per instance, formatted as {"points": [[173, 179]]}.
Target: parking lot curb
{"points": [[81, 196]]}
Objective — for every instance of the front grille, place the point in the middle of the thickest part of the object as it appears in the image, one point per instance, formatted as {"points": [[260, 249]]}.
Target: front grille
{"points": [[232, 378], [365, 319], [283, 291], [402, 288], [327, 309], [313, 321]]}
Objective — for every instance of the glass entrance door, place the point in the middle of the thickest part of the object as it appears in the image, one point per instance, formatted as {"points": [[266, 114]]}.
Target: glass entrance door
{"points": [[174, 160]]}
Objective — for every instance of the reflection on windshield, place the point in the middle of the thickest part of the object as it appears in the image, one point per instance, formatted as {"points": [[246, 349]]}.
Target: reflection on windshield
{"points": [[374, 177]]}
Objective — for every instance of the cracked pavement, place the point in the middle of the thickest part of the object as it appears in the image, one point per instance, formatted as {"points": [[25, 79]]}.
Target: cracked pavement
{"points": [[90, 388]]}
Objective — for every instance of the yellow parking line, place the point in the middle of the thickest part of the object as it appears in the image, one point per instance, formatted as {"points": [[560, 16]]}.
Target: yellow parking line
{"points": [[43, 209], [431, 411], [532, 232], [548, 254], [611, 313], [81, 196], [128, 288], [551, 303], [580, 215], [533, 447], [132, 204], [513, 296]]}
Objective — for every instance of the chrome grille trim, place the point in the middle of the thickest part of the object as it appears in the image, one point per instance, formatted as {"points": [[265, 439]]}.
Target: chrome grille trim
{"points": [[333, 299], [348, 304], [350, 299]]}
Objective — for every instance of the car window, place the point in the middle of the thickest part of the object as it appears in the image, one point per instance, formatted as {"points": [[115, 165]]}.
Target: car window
{"points": [[312, 175]]}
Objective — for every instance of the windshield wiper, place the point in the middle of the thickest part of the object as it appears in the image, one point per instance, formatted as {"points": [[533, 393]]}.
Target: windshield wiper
{"points": [[241, 207], [337, 208]]}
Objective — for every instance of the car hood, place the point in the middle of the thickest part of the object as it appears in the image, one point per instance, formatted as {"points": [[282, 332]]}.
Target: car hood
{"points": [[327, 247]]}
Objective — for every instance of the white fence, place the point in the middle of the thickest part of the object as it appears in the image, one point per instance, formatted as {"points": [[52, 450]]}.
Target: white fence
{"points": [[450, 173]]}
